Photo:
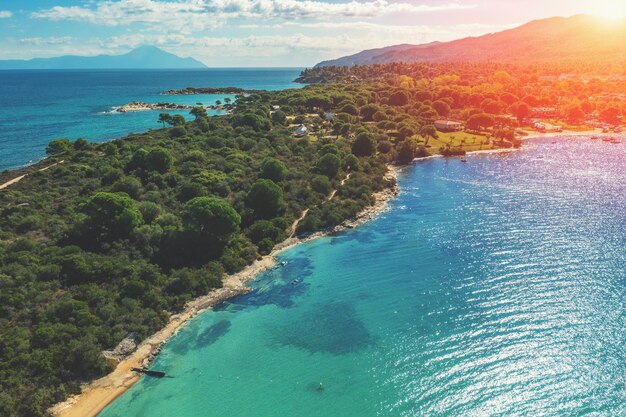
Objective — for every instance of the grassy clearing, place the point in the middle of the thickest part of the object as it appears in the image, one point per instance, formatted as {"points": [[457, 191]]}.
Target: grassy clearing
{"points": [[463, 140]]}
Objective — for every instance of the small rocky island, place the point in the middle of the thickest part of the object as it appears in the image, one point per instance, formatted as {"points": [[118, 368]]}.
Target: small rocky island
{"points": [[141, 106], [210, 90]]}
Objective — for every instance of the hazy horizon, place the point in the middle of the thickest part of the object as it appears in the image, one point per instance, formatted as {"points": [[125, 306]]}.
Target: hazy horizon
{"points": [[261, 33]]}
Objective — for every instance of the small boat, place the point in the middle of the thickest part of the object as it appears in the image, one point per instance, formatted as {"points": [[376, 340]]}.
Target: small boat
{"points": [[606, 139], [463, 160], [594, 138], [155, 374]]}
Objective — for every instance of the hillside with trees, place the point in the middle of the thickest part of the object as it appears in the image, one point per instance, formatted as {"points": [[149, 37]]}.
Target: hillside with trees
{"points": [[491, 98], [574, 39]]}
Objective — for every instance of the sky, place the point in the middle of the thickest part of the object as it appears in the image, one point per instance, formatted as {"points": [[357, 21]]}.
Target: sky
{"points": [[262, 33]]}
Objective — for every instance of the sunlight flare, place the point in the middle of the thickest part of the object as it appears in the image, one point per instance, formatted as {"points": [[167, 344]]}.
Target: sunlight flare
{"points": [[611, 9]]}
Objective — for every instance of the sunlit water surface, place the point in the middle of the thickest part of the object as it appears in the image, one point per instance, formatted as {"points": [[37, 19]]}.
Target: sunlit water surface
{"points": [[492, 287]]}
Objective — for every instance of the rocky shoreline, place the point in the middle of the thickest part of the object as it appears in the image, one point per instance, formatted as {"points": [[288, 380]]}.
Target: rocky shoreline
{"points": [[209, 90], [141, 106]]}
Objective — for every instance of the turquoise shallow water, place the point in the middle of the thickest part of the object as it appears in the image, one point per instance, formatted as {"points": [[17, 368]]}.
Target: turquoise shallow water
{"points": [[495, 287]]}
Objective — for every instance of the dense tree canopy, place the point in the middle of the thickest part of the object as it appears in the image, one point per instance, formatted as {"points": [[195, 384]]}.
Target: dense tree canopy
{"points": [[329, 165], [110, 216], [265, 198], [364, 144], [210, 218], [273, 169], [158, 159]]}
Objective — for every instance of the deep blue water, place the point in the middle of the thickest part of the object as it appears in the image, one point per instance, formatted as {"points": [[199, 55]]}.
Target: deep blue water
{"points": [[38, 106], [495, 287]]}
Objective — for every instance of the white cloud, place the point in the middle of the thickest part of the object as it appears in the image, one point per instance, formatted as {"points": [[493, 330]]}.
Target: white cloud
{"points": [[212, 13], [189, 14], [259, 32], [303, 48], [47, 41], [444, 32], [5, 14]]}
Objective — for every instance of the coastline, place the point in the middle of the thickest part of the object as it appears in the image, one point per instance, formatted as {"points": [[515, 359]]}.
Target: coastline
{"points": [[96, 395], [570, 133]]}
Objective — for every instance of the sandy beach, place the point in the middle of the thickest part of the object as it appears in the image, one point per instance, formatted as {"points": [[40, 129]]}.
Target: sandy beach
{"points": [[570, 133], [96, 395]]}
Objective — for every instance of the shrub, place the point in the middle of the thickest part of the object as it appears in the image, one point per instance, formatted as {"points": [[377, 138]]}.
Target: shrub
{"points": [[329, 165], [159, 160], [273, 169], [364, 144], [177, 132], [110, 216], [321, 184], [210, 219]]}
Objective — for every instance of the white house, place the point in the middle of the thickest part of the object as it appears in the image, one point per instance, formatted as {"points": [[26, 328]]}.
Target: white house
{"points": [[301, 130], [448, 126]]}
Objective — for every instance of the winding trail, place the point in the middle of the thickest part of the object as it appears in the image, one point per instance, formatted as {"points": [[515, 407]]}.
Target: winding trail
{"points": [[294, 226], [21, 177]]}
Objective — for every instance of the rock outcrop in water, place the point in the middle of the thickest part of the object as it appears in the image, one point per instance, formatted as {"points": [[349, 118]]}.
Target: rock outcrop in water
{"points": [[141, 106], [210, 90]]}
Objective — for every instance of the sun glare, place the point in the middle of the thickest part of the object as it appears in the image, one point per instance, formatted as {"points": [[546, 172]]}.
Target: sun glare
{"points": [[611, 9]]}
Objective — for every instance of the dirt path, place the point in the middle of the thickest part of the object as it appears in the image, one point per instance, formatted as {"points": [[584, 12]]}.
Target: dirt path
{"points": [[13, 181], [21, 177], [332, 194], [294, 226]]}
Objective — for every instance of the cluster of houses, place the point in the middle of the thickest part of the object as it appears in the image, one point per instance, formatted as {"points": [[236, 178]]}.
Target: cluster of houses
{"points": [[538, 117], [302, 129]]}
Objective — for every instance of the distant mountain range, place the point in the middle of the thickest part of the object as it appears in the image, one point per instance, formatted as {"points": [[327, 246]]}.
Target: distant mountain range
{"points": [[144, 57], [558, 39]]}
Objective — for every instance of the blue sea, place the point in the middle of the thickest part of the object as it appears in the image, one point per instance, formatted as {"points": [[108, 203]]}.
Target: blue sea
{"points": [[41, 105], [495, 287]]}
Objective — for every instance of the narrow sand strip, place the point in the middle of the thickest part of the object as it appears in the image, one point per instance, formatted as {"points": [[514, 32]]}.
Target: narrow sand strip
{"points": [[21, 177]]}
